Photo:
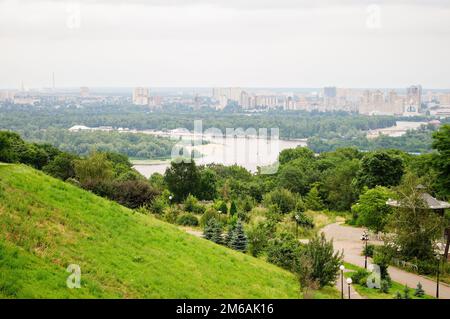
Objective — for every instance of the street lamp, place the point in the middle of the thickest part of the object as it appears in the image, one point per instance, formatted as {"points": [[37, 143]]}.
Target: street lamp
{"points": [[439, 253], [297, 219], [170, 200], [365, 238], [349, 282], [342, 268]]}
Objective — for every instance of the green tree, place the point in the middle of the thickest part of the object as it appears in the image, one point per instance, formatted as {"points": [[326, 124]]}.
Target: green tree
{"points": [[93, 169], [182, 178], [414, 225], [372, 210], [380, 168], [291, 154], [283, 198], [239, 239], [313, 200], [62, 166], [233, 208], [324, 261], [441, 160], [207, 189], [284, 251]]}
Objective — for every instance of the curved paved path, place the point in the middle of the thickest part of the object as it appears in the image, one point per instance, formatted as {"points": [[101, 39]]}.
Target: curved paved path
{"points": [[347, 238]]}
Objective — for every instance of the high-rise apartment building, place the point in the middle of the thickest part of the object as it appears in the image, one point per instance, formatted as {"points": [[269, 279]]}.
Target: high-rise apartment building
{"points": [[141, 96]]}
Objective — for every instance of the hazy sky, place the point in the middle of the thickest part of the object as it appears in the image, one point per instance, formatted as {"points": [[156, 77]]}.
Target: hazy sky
{"points": [[254, 43]]}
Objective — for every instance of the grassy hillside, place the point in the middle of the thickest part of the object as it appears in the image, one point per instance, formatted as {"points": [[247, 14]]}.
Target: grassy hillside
{"points": [[46, 224]]}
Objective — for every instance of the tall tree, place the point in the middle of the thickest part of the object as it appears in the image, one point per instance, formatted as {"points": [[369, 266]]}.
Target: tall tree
{"points": [[372, 210], [380, 168], [441, 160], [182, 178]]}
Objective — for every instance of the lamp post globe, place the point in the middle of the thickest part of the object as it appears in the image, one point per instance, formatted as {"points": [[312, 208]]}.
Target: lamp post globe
{"points": [[349, 283], [342, 268]]}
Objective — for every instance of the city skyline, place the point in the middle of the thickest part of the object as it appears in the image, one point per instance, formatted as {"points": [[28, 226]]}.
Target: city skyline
{"points": [[358, 44]]}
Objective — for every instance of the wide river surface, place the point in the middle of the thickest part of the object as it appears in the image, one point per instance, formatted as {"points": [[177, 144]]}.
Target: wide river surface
{"points": [[248, 152]]}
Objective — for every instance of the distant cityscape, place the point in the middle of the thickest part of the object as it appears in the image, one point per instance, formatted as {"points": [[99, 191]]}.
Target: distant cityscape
{"points": [[411, 101]]}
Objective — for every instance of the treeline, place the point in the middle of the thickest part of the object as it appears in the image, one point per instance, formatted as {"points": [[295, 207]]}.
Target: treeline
{"points": [[291, 124], [413, 141], [133, 145]]}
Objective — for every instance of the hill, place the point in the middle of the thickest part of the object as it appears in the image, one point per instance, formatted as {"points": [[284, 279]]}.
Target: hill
{"points": [[46, 224]]}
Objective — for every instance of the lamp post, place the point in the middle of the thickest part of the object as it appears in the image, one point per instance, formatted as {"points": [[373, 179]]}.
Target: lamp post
{"points": [[170, 200], [342, 268], [297, 218], [365, 239], [349, 283], [437, 276]]}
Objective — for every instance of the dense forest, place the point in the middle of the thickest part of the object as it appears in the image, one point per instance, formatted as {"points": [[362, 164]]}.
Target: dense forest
{"points": [[324, 131]]}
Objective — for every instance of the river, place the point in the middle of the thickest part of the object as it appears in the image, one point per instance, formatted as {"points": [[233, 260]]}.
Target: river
{"points": [[248, 152]]}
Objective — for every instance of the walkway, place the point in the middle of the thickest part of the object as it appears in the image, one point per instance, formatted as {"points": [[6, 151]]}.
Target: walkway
{"points": [[348, 239]]}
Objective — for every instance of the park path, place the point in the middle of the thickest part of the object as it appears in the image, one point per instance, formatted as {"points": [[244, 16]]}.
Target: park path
{"points": [[347, 239]]}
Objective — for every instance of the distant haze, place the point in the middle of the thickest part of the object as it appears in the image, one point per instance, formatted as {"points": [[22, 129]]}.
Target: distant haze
{"points": [[254, 43]]}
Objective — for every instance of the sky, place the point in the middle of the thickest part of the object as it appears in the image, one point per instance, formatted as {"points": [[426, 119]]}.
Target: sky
{"points": [[207, 43]]}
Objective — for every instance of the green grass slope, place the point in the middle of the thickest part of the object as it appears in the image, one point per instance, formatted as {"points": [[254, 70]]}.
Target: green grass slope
{"points": [[46, 224]]}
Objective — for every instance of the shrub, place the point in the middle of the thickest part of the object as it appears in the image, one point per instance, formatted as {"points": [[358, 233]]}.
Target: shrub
{"points": [[419, 292], [324, 261], [187, 219], [283, 198], [284, 251], [133, 193], [382, 257], [171, 214], [209, 214], [190, 203], [158, 205], [406, 292], [360, 277], [384, 286], [258, 237]]}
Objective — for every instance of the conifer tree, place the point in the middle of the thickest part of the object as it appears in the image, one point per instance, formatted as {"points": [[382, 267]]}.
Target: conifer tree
{"points": [[233, 208], [217, 233], [419, 292], [239, 239], [313, 200], [208, 231]]}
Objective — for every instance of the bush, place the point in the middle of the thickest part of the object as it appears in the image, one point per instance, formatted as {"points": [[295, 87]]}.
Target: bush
{"points": [[190, 203], [210, 213], [368, 250], [133, 194], [384, 286], [258, 237], [419, 292], [283, 198], [187, 220], [158, 205], [360, 277], [324, 261], [284, 251], [171, 215]]}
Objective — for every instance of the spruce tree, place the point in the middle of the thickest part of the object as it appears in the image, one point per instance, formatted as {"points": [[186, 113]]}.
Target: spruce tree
{"points": [[239, 239], [233, 208], [313, 200], [217, 233], [419, 292], [208, 231], [229, 236]]}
